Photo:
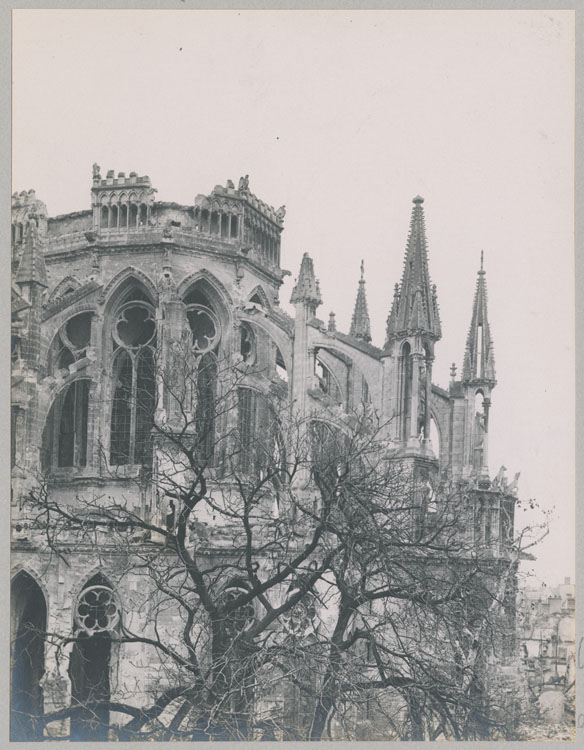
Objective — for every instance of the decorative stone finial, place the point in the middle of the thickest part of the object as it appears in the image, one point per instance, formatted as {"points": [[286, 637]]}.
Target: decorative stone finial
{"points": [[332, 324], [418, 199]]}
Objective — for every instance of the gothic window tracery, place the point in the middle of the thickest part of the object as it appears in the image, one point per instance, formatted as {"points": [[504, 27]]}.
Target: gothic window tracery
{"points": [[134, 381], [206, 333], [97, 619], [261, 447]]}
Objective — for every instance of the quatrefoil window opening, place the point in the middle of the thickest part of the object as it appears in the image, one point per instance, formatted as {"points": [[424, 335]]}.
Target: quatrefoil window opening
{"points": [[205, 328], [97, 611], [135, 325]]}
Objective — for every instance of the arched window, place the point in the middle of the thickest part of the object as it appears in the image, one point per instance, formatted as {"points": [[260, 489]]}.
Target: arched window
{"points": [[143, 220], [28, 628], [260, 444], [104, 220], [133, 216], [123, 215], [97, 618], [405, 386], [134, 381], [205, 406], [329, 452], [64, 441], [479, 430]]}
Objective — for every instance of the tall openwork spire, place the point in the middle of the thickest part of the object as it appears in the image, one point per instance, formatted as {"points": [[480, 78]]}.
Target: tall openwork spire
{"points": [[31, 269], [307, 290], [360, 324], [479, 357], [415, 307]]}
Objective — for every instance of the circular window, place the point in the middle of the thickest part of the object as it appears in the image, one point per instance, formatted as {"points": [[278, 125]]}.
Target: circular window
{"points": [[77, 331], [97, 611], [135, 326], [205, 328]]}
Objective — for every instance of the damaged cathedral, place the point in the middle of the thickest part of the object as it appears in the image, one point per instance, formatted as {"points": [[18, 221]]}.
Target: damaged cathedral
{"points": [[228, 522]]}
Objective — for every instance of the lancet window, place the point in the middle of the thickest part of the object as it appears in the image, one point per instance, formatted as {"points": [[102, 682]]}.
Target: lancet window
{"points": [[134, 381], [97, 619], [28, 626], [64, 442], [206, 333], [261, 447]]}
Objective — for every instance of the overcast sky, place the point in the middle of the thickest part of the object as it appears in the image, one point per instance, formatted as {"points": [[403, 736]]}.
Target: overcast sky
{"points": [[345, 117]]}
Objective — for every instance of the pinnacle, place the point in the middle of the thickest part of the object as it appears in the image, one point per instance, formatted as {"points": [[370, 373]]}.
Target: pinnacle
{"points": [[307, 288], [360, 324], [31, 269], [479, 359], [415, 305]]}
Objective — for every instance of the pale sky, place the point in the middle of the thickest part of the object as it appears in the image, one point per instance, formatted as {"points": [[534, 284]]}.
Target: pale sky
{"points": [[345, 117]]}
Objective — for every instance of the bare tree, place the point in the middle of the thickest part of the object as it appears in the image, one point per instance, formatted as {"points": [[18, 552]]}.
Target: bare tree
{"points": [[282, 577]]}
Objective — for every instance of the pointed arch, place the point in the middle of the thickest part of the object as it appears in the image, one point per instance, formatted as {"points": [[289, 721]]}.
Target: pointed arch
{"points": [[94, 576], [259, 291], [96, 617], [69, 282], [217, 290], [28, 628], [124, 277]]}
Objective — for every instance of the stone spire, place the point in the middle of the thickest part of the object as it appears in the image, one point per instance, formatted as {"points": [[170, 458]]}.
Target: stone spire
{"points": [[479, 357], [31, 269], [415, 307], [306, 290], [360, 325]]}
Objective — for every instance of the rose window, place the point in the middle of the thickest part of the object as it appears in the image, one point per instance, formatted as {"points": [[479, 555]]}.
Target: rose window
{"points": [[97, 611], [135, 325], [205, 328]]}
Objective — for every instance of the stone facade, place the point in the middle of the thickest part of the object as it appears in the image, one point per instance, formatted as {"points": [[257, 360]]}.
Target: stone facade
{"points": [[81, 279]]}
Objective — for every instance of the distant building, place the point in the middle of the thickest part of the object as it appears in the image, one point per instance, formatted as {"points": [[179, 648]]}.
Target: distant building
{"points": [[546, 632]]}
